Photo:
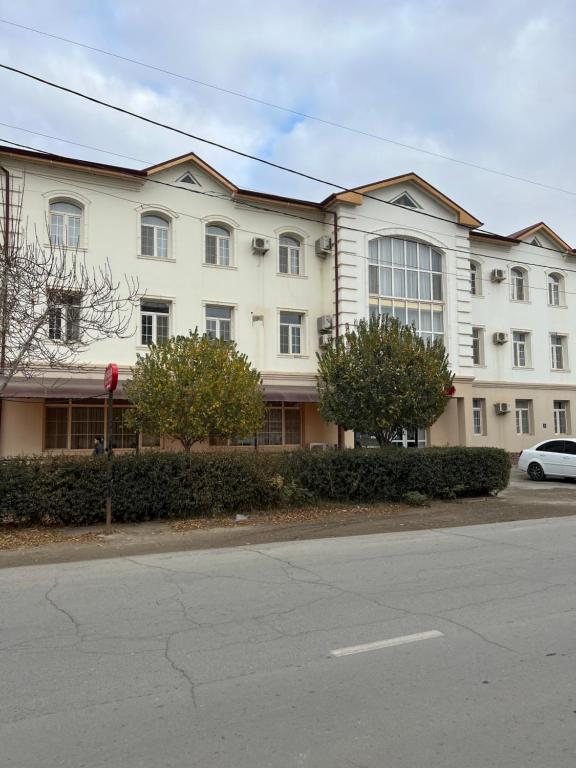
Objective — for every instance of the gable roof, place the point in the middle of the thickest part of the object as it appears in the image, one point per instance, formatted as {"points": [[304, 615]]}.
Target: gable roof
{"points": [[71, 162], [524, 234], [191, 157], [354, 196]]}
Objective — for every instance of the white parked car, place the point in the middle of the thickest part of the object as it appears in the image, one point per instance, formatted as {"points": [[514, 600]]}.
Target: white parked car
{"points": [[550, 458]]}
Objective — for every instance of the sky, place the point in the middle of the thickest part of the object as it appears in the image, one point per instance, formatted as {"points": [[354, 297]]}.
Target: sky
{"points": [[491, 84]]}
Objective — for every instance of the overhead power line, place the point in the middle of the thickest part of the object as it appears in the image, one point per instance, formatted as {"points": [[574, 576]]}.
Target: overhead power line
{"points": [[290, 111], [210, 142]]}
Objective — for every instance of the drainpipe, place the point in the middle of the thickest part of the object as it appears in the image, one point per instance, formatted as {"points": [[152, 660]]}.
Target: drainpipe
{"points": [[337, 305], [6, 248]]}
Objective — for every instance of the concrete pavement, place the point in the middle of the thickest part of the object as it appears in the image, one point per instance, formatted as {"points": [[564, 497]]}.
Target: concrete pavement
{"points": [[223, 658]]}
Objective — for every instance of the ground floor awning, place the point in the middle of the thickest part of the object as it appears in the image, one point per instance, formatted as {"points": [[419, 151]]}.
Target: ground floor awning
{"points": [[76, 387]]}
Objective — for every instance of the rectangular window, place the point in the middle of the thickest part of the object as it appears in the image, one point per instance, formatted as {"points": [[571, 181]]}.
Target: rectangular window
{"points": [[479, 416], [282, 425], [154, 322], [64, 316], [478, 346], [219, 322], [122, 435], [523, 417], [521, 349], [147, 238], [561, 417], [87, 424], [291, 333], [558, 351], [56, 427]]}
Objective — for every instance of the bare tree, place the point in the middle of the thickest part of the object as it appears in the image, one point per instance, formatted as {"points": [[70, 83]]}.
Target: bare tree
{"points": [[53, 305]]}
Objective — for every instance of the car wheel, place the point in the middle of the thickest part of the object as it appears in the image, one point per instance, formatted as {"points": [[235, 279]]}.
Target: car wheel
{"points": [[535, 472]]}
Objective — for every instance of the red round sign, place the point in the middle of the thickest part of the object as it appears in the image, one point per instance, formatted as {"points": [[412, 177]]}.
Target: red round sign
{"points": [[111, 377]]}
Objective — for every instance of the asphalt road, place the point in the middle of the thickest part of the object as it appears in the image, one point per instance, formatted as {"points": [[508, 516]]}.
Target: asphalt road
{"points": [[225, 658]]}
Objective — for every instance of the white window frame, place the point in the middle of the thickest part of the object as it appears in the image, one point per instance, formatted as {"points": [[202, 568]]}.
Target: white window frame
{"points": [[523, 417], [559, 352], [154, 317], [64, 317], [478, 416], [223, 244], [220, 323], [475, 278], [519, 284], [65, 218], [521, 350], [159, 233], [478, 344], [555, 290], [291, 248], [291, 335], [561, 413]]}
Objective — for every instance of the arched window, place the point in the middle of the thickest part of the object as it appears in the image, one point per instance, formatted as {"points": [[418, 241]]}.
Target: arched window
{"points": [[65, 223], [475, 279], [555, 289], [519, 280], [217, 245], [289, 255], [405, 280], [154, 232]]}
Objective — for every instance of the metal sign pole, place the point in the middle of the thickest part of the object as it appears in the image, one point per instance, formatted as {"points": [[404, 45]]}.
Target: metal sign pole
{"points": [[110, 384]]}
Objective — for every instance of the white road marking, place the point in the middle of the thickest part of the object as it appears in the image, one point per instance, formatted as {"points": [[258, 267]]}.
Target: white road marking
{"points": [[387, 643]]}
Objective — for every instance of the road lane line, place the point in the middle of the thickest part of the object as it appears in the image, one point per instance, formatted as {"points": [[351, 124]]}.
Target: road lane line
{"points": [[387, 643]]}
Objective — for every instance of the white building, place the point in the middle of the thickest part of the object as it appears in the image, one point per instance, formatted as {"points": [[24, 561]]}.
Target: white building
{"points": [[261, 269]]}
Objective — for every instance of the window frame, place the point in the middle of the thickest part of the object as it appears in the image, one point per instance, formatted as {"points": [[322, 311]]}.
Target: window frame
{"points": [[558, 351], [219, 240], [156, 229], [478, 344], [219, 321], [154, 315], [521, 347], [426, 312], [64, 317], [555, 292], [301, 326], [519, 280], [479, 416], [521, 411], [68, 408], [475, 278], [66, 216], [561, 409], [294, 248]]}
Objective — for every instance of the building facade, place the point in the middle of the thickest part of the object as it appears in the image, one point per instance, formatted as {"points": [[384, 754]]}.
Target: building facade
{"points": [[279, 276]]}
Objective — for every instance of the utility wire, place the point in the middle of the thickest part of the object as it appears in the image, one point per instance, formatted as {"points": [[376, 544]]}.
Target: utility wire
{"points": [[517, 249], [288, 110], [464, 254], [210, 142]]}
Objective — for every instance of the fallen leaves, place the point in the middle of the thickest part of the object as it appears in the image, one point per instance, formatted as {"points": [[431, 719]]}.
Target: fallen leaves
{"points": [[20, 538]]}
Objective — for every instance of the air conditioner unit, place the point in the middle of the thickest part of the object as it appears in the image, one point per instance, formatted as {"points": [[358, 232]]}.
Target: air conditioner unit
{"points": [[323, 246], [324, 323], [260, 245], [502, 408], [325, 339], [319, 446], [500, 337], [497, 275]]}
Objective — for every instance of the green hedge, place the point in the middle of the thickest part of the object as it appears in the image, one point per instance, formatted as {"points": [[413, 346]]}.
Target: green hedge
{"points": [[153, 486]]}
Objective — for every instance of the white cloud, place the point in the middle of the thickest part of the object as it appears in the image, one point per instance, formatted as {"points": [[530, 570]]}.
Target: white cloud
{"points": [[490, 83]]}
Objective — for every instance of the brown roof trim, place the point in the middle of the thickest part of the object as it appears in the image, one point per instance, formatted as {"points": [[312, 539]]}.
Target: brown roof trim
{"points": [[542, 226], [49, 158], [292, 201], [191, 157], [481, 235], [464, 217]]}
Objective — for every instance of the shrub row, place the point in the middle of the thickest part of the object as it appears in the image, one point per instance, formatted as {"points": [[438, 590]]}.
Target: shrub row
{"points": [[152, 486]]}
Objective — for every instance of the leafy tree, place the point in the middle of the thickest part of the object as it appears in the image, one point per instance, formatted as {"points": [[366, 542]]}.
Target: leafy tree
{"points": [[381, 377], [193, 387]]}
